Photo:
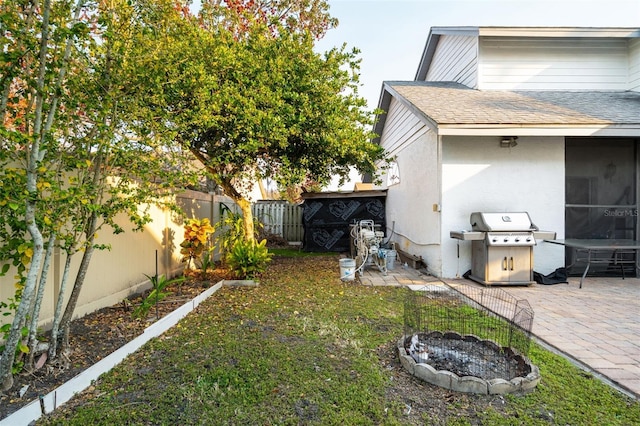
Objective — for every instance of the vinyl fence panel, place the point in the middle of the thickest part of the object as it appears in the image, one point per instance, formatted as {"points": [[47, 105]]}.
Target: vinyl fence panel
{"points": [[280, 218]]}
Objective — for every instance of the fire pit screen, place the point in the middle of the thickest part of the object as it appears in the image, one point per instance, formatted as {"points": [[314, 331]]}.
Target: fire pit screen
{"points": [[468, 339]]}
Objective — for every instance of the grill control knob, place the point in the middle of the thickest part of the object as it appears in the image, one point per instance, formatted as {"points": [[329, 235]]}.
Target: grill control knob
{"points": [[517, 240], [506, 239], [528, 239], [494, 240]]}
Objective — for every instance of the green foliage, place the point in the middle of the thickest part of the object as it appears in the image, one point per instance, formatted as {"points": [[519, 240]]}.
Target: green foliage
{"points": [[248, 259], [73, 158], [16, 250], [231, 231], [252, 99], [206, 262], [157, 294]]}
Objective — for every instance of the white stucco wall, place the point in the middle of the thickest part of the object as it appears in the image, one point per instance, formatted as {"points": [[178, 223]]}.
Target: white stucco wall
{"points": [[412, 223], [410, 211], [479, 175]]}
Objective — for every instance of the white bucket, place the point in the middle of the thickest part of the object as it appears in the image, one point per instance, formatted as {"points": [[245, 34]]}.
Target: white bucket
{"points": [[347, 269], [391, 259]]}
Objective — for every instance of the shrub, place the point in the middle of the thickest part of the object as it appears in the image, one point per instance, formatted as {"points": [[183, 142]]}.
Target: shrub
{"points": [[196, 238], [232, 231], [247, 259]]}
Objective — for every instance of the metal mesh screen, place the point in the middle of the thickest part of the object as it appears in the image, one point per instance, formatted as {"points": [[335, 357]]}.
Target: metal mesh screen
{"points": [[469, 330]]}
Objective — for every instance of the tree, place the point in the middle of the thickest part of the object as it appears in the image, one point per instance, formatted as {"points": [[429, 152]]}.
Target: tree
{"points": [[72, 149], [31, 86], [260, 105], [294, 16], [128, 167]]}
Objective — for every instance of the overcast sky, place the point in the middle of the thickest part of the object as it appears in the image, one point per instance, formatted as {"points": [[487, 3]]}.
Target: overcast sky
{"points": [[391, 34]]}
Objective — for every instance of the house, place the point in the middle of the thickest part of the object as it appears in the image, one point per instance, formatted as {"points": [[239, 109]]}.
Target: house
{"points": [[497, 119]]}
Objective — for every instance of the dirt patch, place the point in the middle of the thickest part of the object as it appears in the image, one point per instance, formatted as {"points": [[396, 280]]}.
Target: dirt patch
{"points": [[423, 403]]}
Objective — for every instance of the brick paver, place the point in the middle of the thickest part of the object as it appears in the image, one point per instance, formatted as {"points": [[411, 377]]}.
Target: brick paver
{"points": [[597, 327]]}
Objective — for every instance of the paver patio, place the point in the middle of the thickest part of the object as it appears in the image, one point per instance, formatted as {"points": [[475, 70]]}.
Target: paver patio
{"points": [[597, 327]]}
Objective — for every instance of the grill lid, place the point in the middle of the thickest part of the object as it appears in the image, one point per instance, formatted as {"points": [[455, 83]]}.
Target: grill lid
{"points": [[514, 221]]}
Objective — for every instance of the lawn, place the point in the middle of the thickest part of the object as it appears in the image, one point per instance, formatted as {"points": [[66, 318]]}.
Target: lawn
{"points": [[304, 348]]}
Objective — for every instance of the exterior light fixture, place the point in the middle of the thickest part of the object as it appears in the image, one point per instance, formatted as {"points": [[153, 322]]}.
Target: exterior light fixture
{"points": [[508, 142]]}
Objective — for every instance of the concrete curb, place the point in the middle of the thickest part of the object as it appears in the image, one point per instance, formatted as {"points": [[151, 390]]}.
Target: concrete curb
{"points": [[48, 403]]}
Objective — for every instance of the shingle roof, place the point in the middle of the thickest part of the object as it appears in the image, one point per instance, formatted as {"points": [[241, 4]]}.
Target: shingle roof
{"points": [[448, 103]]}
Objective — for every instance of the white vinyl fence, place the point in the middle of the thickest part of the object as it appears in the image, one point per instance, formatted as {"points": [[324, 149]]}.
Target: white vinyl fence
{"points": [[280, 218]]}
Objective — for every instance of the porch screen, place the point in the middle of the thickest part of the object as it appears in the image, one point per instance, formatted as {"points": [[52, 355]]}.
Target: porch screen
{"points": [[600, 189]]}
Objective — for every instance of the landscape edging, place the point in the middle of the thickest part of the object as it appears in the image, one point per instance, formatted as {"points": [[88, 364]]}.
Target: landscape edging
{"points": [[62, 394]]}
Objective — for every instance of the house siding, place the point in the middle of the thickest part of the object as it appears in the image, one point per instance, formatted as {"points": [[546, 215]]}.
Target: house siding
{"points": [[411, 222], [455, 59], [553, 64], [478, 175], [634, 65]]}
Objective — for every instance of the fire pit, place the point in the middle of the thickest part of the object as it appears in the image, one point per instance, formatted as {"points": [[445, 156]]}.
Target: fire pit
{"points": [[453, 341]]}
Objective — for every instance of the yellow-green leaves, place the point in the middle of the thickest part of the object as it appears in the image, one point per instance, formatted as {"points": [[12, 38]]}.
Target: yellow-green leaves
{"points": [[196, 236], [26, 252]]}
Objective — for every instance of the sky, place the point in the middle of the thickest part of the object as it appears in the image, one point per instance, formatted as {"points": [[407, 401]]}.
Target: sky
{"points": [[391, 34]]}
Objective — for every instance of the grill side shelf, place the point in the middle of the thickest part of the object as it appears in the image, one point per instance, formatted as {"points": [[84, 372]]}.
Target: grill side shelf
{"points": [[467, 235]]}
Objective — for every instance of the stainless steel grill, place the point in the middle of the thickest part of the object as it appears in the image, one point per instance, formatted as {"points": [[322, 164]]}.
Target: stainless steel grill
{"points": [[502, 247]]}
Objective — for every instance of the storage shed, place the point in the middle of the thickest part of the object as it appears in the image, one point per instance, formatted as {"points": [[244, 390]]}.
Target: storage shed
{"points": [[327, 217]]}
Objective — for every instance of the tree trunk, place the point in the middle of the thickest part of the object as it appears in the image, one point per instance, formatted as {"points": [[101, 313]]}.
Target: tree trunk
{"points": [[243, 203], [55, 328], [35, 312], [65, 323], [15, 332], [247, 218]]}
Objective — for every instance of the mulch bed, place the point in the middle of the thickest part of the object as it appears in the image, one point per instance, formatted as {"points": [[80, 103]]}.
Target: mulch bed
{"points": [[100, 333]]}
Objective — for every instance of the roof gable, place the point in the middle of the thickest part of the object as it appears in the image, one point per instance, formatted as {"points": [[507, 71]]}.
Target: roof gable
{"points": [[449, 107]]}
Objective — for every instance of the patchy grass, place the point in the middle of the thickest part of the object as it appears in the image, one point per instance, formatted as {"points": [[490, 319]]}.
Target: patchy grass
{"points": [[305, 348]]}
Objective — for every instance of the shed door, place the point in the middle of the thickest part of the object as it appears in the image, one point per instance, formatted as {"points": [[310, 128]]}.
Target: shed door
{"points": [[601, 188]]}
